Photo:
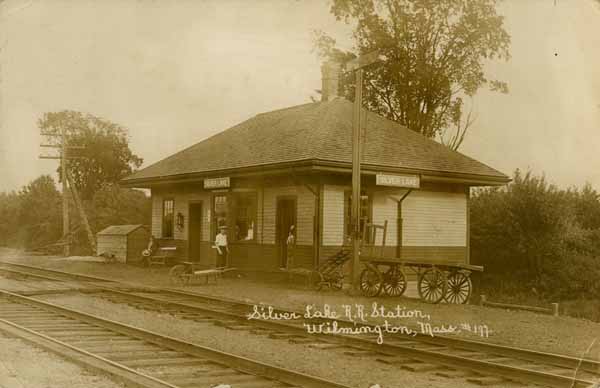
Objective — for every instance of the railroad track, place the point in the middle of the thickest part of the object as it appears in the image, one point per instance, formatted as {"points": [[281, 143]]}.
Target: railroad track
{"points": [[140, 357], [474, 361]]}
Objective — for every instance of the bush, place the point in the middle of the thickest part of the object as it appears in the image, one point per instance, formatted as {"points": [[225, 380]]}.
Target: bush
{"points": [[112, 205], [32, 218], [535, 238]]}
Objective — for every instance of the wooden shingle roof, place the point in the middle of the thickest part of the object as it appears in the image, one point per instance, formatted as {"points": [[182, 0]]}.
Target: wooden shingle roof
{"points": [[119, 230], [318, 132]]}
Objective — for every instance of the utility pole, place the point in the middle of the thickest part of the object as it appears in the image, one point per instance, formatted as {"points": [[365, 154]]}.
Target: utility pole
{"points": [[357, 65], [65, 190], [64, 176]]}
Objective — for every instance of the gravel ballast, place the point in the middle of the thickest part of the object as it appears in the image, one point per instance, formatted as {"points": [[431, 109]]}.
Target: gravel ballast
{"points": [[331, 364], [562, 335], [25, 366]]}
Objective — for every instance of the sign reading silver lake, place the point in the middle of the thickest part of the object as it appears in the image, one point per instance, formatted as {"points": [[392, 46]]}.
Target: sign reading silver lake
{"points": [[216, 183], [410, 181]]}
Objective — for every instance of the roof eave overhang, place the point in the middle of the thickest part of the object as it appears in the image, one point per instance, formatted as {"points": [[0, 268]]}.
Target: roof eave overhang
{"points": [[315, 165]]}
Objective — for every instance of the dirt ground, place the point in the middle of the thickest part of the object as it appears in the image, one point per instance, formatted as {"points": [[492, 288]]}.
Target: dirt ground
{"points": [[25, 366], [563, 335]]}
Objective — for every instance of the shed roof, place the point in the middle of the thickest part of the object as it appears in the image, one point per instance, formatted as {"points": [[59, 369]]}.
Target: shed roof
{"points": [[120, 230], [318, 132]]}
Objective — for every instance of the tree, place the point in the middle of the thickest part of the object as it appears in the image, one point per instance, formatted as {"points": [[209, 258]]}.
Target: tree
{"points": [[40, 212], [106, 156], [10, 204], [587, 207], [434, 58], [114, 205], [532, 235]]}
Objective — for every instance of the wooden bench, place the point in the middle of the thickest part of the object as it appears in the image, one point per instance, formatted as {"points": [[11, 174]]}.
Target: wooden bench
{"points": [[162, 256], [185, 273]]}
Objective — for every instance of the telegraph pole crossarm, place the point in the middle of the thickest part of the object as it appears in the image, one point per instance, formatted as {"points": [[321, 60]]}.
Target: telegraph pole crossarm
{"points": [[356, 66], [63, 147]]}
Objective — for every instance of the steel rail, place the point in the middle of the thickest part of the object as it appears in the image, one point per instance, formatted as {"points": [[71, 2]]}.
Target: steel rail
{"points": [[279, 376], [82, 357], [407, 349], [429, 355]]}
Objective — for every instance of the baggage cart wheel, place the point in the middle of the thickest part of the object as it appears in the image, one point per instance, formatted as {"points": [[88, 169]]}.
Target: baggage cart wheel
{"points": [[176, 274], [432, 285], [394, 281], [370, 282], [318, 281], [459, 288], [337, 282]]}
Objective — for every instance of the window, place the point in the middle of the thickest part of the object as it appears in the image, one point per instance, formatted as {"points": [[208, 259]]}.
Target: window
{"points": [[167, 221], [220, 212], [237, 211], [244, 216], [365, 213]]}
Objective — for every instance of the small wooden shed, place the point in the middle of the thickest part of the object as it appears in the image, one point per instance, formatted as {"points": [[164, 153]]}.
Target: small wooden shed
{"points": [[125, 242]]}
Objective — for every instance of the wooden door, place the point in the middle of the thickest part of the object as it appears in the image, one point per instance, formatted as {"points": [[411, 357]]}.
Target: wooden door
{"points": [[286, 217], [195, 230]]}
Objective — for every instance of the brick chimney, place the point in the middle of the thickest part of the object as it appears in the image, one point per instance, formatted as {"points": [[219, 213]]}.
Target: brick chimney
{"points": [[330, 79]]}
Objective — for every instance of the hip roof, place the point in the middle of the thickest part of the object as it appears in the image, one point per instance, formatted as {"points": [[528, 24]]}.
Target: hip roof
{"points": [[320, 131]]}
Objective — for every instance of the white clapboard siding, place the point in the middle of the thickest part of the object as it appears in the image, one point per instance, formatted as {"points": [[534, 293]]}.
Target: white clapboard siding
{"points": [[182, 203], [333, 214], [157, 215], [385, 208], [304, 214], [182, 200], [434, 219]]}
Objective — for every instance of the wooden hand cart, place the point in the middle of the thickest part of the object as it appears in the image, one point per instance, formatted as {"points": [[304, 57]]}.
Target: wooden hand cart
{"points": [[435, 282], [186, 272], [331, 272]]}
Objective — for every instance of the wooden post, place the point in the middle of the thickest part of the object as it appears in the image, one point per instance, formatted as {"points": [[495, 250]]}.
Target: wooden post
{"points": [[555, 309], [65, 191], [82, 215], [356, 154], [357, 66]]}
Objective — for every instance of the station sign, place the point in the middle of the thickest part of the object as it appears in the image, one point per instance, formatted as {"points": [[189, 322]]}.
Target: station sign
{"points": [[408, 181], [217, 183]]}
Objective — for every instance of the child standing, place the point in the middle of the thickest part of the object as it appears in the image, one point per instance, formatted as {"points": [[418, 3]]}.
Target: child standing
{"points": [[222, 248]]}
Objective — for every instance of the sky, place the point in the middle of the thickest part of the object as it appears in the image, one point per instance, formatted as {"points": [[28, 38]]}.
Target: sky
{"points": [[176, 72]]}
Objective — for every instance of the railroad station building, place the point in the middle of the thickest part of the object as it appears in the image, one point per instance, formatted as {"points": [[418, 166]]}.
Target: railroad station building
{"points": [[293, 167]]}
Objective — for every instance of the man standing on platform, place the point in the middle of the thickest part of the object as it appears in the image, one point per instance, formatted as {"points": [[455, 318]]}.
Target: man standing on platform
{"points": [[222, 248]]}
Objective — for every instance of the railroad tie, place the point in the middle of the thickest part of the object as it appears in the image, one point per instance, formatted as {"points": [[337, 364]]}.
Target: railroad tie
{"points": [[326, 345], [238, 327], [283, 336], [302, 340], [453, 374], [420, 367], [486, 380], [120, 355], [103, 342], [164, 361], [260, 330], [204, 319], [228, 322], [429, 347], [467, 353], [236, 377], [262, 384], [360, 353], [395, 360]]}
